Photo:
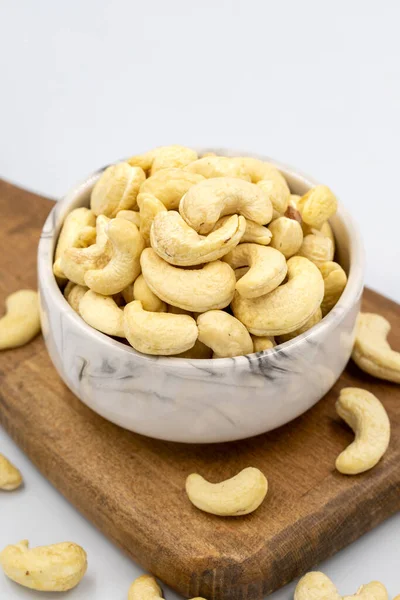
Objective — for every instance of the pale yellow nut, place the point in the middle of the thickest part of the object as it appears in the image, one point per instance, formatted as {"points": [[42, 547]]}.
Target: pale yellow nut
{"points": [[267, 269], [224, 334], [286, 308], [102, 313], [21, 323], [169, 186], [10, 476], [177, 243], [117, 189], [55, 568], [335, 280], [317, 248], [317, 205], [207, 201], [75, 223], [370, 591], [199, 350], [278, 193], [240, 495], [196, 289], [263, 342], [150, 206], [218, 166], [74, 295], [86, 237], [367, 417], [124, 265], [372, 352], [158, 333], [75, 262], [143, 293], [130, 215], [259, 170], [325, 230], [316, 586], [316, 318], [164, 157], [146, 588], [254, 233], [287, 236]]}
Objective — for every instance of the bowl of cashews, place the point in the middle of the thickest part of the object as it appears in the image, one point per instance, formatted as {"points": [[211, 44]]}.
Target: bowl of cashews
{"points": [[199, 295]]}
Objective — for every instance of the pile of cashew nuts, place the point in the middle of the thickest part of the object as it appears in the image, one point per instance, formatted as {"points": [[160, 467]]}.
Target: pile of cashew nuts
{"points": [[207, 257]]}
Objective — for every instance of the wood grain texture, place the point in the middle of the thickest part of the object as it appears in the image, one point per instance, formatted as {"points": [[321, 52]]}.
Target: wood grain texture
{"points": [[132, 487]]}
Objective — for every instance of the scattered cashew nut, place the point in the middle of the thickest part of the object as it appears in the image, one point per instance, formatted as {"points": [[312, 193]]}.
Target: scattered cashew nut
{"points": [[365, 414], [316, 586], [169, 186], [143, 293], [164, 157], [254, 233], [102, 313], [287, 236], [21, 323], [223, 333], [317, 205], [316, 318], [370, 591], [150, 206], [55, 568], [10, 476], [335, 280], [117, 189], [240, 495]]}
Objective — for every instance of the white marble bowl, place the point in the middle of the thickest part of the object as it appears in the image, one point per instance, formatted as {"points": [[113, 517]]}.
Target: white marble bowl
{"points": [[200, 401]]}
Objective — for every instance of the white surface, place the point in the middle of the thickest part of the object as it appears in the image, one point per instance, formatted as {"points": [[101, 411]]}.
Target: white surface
{"points": [[315, 84]]}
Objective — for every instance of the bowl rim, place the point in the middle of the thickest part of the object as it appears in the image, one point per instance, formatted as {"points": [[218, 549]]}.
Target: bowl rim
{"points": [[351, 293]]}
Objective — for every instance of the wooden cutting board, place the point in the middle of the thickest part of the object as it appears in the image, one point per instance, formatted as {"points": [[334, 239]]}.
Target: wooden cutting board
{"points": [[132, 487]]}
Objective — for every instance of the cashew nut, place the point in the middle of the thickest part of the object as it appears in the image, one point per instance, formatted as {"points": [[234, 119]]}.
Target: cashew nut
{"points": [[10, 476], [372, 352], [278, 193], [21, 323], [287, 236], [130, 215], [371, 591], [207, 201], [316, 586], [224, 334], [218, 166], [158, 333], [316, 318], [55, 568], [325, 230], [117, 189], [240, 495], [164, 157], [286, 308], [74, 295], [124, 266], [102, 313], [75, 262], [201, 289], [199, 350], [335, 280], [317, 248], [263, 342], [169, 186], [146, 588], [177, 243], [143, 293], [267, 269], [150, 206], [75, 223], [86, 237], [254, 233], [317, 205], [367, 417]]}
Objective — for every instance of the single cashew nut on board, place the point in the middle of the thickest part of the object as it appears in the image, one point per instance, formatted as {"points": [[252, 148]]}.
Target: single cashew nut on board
{"points": [[316, 318], [370, 591], [317, 248], [316, 586], [371, 351], [150, 206], [158, 333], [263, 342], [218, 166], [267, 269], [21, 323], [74, 295], [124, 266], [55, 568], [117, 189], [197, 290], [169, 186], [143, 293], [102, 313], [224, 334], [317, 205], [288, 307], [164, 157], [335, 280], [10, 476], [177, 243], [146, 588], [287, 236], [240, 495], [254, 233], [207, 201], [130, 215], [367, 417], [75, 222]]}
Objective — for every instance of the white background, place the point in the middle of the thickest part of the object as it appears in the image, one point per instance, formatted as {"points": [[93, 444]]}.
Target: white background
{"points": [[314, 84]]}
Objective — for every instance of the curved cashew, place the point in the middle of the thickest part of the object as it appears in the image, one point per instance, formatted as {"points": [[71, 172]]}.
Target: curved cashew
{"points": [[74, 295], [150, 206], [10, 476], [287, 235], [86, 237], [75, 223], [254, 233], [21, 323], [177, 243], [263, 342], [143, 293], [372, 352], [371, 591], [286, 308], [240, 495], [146, 588], [267, 269], [198, 290], [224, 334], [102, 313], [55, 568], [317, 248], [207, 201], [335, 280], [316, 318], [169, 186], [124, 266], [75, 262], [317, 205], [130, 215], [316, 586], [199, 350], [117, 189], [278, 194], [363, 412], [164, 157], [158, 333], [218, 166]]}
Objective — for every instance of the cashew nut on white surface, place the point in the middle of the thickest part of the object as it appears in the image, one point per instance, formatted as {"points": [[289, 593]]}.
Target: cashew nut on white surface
{"points": [[10, 476], [146, 587], [21, 323], [317, 586]]}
